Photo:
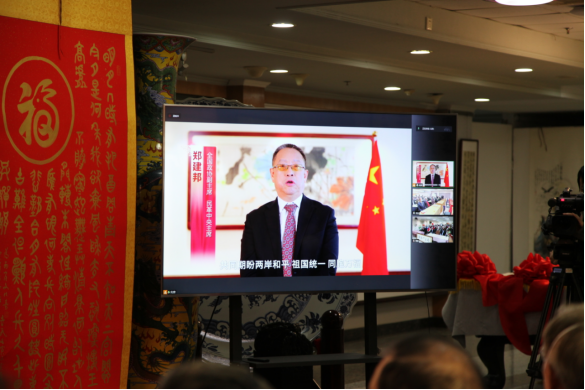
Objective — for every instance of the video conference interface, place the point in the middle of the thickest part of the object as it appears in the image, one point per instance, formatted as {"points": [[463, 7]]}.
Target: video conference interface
{"points": [[433, 202], [217, 170]]}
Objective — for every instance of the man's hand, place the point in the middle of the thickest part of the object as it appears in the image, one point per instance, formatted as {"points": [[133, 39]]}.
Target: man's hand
{"points": [[577, 217]]}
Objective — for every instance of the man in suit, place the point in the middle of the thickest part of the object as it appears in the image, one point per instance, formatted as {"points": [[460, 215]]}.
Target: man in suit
{"points": [[415, 205], [291, 235], [433, 180]]}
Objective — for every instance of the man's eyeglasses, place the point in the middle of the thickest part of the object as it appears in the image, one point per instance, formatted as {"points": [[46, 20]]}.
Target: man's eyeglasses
{"points": [[284, 168]]}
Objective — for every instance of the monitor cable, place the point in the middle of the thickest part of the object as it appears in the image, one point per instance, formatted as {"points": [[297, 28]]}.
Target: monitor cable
{"points": [[217, 299], [428, 313]]}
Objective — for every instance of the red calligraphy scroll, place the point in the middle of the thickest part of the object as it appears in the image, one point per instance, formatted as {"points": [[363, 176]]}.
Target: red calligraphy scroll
{"points": [[63, 192]]}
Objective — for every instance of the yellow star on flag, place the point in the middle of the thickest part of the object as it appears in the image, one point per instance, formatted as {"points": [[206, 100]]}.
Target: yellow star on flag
{"points": [[376, 210], [373, 173]]}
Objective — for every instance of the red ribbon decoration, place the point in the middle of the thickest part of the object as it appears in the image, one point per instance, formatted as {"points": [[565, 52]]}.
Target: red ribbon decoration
{"points": [[508, 291]]}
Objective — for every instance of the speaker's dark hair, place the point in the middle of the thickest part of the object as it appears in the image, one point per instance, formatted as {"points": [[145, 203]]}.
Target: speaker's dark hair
{"points": [[289, 146]]}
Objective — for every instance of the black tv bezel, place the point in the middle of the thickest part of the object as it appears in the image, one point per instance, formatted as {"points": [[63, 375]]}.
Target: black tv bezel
{"points": [[415, 281]]}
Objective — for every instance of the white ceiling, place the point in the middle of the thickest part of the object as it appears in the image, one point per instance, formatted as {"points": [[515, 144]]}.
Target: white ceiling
{"points": [[476, 45], [554, 18]]}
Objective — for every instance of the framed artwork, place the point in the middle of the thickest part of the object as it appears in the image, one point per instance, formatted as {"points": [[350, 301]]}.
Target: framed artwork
{"points": [[338, 166], [468, 155]]}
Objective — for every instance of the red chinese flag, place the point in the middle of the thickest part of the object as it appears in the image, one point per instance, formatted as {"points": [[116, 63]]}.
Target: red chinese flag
{"points": [[447, 176], [371, 239]]}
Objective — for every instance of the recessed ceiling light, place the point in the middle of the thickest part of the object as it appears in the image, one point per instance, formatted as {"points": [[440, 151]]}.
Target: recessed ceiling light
{"points": [[523, 2], [421, 51], [282, 25], [482, 100], [279, 71], [392, 89], [523, 70]]}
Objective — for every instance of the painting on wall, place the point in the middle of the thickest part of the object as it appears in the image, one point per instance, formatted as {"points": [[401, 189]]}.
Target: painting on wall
{"points": [[468, 155]]}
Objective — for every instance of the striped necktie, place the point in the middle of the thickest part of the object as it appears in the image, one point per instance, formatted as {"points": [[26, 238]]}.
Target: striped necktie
{"points": [[288, 240]]}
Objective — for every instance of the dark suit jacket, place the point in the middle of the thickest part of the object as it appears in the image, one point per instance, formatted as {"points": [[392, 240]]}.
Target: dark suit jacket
{"points": [[437, 180], [316, 238]]}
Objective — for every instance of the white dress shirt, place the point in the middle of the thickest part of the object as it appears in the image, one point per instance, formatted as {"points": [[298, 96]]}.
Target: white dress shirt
{"points": [[283, 214]]}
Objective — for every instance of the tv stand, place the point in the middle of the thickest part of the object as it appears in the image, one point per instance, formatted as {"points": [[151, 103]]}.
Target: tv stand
{"points": [[370, 358]]}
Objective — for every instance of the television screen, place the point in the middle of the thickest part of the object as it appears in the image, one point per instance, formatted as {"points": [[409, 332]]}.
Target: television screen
{"points": [[229, 185]]}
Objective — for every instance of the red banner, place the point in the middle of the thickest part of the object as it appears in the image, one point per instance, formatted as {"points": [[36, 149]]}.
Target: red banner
{"points": [[63, 171]]}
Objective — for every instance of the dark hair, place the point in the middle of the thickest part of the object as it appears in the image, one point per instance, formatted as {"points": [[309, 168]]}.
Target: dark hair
{"points": [[289, 146], [580, 178], [562, 341], [211, 376], [427, 362]]}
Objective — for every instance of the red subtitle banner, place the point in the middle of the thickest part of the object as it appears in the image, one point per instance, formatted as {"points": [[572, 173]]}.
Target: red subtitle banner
{"points": [[202, 204]]}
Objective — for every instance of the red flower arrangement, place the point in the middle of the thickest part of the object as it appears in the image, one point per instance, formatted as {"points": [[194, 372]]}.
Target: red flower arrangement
{"points": [[472, 264], [508, 291], [534, 267]]}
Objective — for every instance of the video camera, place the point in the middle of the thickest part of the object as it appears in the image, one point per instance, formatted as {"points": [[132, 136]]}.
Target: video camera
{"points": [[565, 227]]}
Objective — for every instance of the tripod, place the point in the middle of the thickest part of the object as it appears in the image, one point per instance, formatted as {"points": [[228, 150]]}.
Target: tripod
{"points": [[560, 277]]}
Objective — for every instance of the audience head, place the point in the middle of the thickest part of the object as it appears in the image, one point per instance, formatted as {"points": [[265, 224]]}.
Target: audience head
{"points": [[562, 349], [211, 376], [284, 339], [426, 362]]}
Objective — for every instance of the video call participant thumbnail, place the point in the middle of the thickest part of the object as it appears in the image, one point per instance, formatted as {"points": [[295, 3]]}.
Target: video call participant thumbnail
{"points": [[295, 235], [433, 179]]}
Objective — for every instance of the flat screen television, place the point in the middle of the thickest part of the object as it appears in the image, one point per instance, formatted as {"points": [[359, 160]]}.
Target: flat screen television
{"points": [[216, 170]]}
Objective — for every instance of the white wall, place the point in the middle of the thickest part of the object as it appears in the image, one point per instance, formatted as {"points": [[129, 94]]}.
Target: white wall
{"points": [[521, 241], [546, 160], [494, 198]]}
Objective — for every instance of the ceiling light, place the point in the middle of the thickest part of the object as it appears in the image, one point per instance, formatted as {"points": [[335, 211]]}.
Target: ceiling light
{"points": [[392, 89], [436, 98], [299, 77], [420, 51], [523, 70], [255, 71], [522, 2], [282, 25], [482, 100], [279, 71]]}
